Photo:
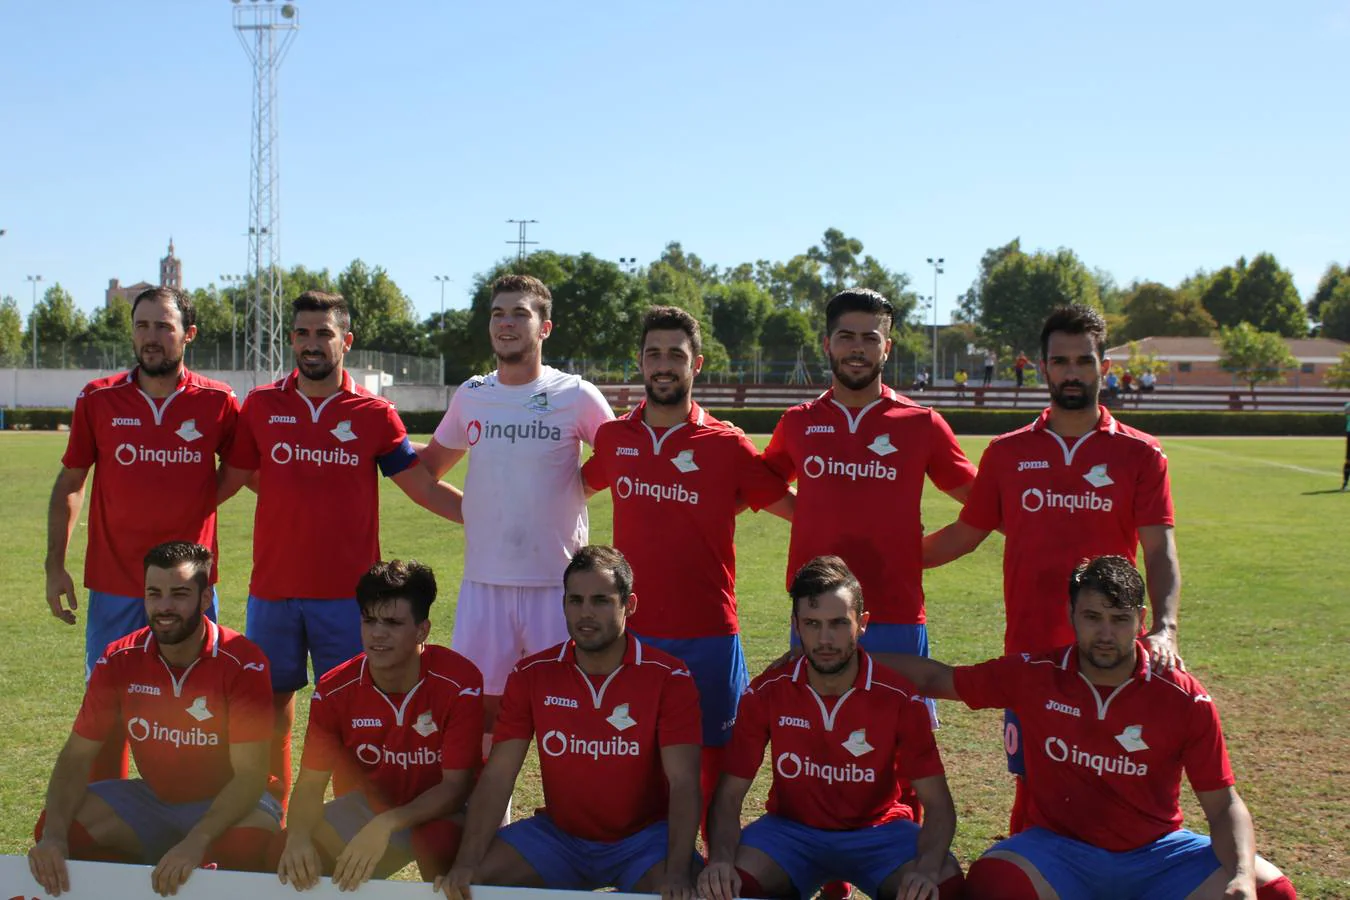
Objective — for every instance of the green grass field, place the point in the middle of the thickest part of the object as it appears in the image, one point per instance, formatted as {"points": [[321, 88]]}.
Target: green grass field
{"points": [[1265, 623]]}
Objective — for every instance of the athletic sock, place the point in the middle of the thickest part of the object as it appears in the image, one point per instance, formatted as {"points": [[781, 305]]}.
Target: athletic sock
{"points": [[750, 887], [991, 878], [1279, 889], [241, 849], [434, 846], [953, 888]]}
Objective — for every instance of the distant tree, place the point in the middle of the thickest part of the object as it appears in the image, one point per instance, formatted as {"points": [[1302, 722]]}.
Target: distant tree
{"points": [[1326, 286], [215, 316], [59, 324], [972, 301], [11, 332], [453, 340], [1140, 362], [1335, 312], [688, 264], [738, 312], [1023, 288], [786, 331], [1338, 376], [382, 315], [1155, 310], [1259, 292], [1255, 357], [838, 254]]}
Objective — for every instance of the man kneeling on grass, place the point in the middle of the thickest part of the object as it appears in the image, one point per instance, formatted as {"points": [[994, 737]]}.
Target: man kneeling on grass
{"points": [[399, 729], [1106, 740], [619, 744], [196, 700]]}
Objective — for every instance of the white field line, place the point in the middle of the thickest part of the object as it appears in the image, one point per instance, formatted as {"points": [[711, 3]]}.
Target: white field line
{"points": [[1170, 445]]}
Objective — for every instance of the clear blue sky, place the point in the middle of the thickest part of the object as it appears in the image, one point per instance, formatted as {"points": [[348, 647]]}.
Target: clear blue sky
{"points": [[1151, 137]]}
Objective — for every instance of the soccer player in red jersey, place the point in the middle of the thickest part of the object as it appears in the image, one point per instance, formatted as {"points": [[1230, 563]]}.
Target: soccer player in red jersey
{"points": [[858, 448], [197, 706], [842, 728], [678, 477], [314, 441], [1107, 738], [617, 727], [399, 730], [152, 436], [1074, 484]]}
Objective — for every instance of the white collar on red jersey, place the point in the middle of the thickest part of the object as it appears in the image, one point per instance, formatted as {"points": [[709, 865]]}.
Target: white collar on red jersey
{"points": [[1105, 421], [862, 680], [696, 418]]}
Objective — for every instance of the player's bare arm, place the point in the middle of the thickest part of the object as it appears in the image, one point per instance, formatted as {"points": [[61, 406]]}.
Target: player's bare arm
{"points": [[233, 805], [65, 793], [430, 493], [952, 542], [784, 506], [931, 678], [932, 863], [487, 805], [437, 458], [1163, 578], [62, 513], [301, 865], [681, 765], [1233, 837], [719, 880], [959, 494], [229, 480], [360, 860]]}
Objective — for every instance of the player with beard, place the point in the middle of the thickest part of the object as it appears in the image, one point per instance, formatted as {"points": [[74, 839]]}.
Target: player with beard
{"points": [[314, 441], [152, 436], [1107, 739], [617, 727], [678, 477], [1074, 484], [843, 731], [524, 508], [860, 447], [195, 699]]}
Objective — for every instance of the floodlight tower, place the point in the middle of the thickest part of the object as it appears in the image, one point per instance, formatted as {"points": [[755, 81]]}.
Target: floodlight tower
{"points": [[266, 31]]}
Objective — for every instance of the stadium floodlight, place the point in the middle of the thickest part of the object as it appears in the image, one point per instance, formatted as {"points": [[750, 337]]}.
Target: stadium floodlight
{"points": [[937, 270], [444, 280]]}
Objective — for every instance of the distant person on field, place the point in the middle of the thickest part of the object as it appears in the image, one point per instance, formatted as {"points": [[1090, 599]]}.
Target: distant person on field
{"points": [[196, 702], [1345, 471], [962, 376], [1126, 382], [990, 361], [1019, 367], [1107, 737], [1147, 381], [920, 380]]}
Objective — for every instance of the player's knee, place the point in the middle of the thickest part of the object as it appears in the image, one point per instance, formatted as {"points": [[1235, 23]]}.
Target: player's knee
{"points": [[995, 878], [242, 849], [435, 845], [1277, 888]]}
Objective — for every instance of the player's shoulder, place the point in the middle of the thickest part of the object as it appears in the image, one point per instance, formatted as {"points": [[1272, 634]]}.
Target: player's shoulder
{"points": [[653, 661], [1016, 437], [206, 385], [1183, 683], [98, 385], [265, 393], [1134, 436], [125, 648], [234, 646], [446, 667], [774, 678], [544, 661], [358, 395], [883, 681]]}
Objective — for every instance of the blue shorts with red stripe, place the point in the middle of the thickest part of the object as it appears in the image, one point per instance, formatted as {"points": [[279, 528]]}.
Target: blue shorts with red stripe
{"points": [[718, 667], [295, 630], [571, 863], [812, 857]]}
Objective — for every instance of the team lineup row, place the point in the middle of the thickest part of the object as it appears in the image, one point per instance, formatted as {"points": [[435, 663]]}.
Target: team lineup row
{"points": [[1074, 485]]}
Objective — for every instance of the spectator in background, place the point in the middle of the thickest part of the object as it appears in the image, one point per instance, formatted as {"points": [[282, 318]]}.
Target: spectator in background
{"points": [[920, 381], [1127, 382], [1146, 382], [1112, 386], [990, 360], [962, 376], [1020, 367]]}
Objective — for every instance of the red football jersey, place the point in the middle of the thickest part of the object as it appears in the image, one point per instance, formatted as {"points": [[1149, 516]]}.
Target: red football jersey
{"points": [[676, 495], [1104, 765], [154, 471], [181, 721], [1058, 504], [835, 759], [316, 529], [860, 479], [393, 747], [600, 739]]}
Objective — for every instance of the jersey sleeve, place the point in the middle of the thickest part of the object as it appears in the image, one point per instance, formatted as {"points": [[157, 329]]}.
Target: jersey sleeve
{"points": [[101, 706], [983, 509], [463, 745], [756, 483], [992, 684], [397, 453], [917, 756], [948, 466], [81, 449], [243, 449], [594, 472], [450, 433], [1205, 755], [679, 720], [1153, 492], [515, 720], [323, 739], [749, 738], [778, 456], [249, 699], [592, 412]]}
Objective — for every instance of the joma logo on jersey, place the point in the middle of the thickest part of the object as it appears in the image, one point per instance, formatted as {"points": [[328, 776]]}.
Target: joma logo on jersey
{"points": [[792, 722], [530, 431], [128, 454], [556, 743], [141, 730], [149, 689], [566, 702], [820, 429], [1060, 752], [816, 466], [367, 723], [790, 765], [626, 487], [281, 420], [372, 755], [1035, 500], [1056, 706], [125, 420], [625, 451], [283, 454], [1033, 464]]}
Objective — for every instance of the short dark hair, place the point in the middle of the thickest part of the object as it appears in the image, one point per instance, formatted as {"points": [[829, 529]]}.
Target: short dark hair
{"points": [[172, 554], [600, 558], [528, 285], [822, 574], [187, 310], [396, 579], [671, 318], [1075, 319], [1114, 577], [318, 301], [858, 300]]}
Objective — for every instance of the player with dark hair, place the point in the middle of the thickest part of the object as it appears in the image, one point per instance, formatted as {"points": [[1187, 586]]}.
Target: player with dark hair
{"points": [[617, 727], [398, 728], [678, 478], [196, 703], [1107, 737], [314, 441], [1075, 483], [843, 731]]}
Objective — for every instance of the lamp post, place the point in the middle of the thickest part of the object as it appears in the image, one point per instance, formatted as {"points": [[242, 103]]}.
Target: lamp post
{"points": [[32, 328], [937, 270], [234, 320], [444, 280], [628, 264]]}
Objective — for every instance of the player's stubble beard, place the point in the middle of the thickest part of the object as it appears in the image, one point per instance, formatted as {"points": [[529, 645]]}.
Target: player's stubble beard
{"points": [[854, 383], [1090, 392], [678, 392], [167, 364], [177, 634], [315, 368], [845, 657]]}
